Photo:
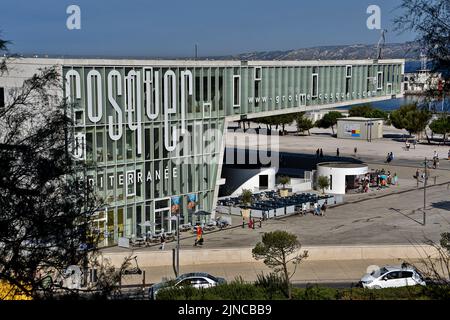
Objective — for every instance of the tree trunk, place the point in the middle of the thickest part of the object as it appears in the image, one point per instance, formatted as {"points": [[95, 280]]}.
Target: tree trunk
{"points": [[332, 130], [288, 285], [428, 138]]}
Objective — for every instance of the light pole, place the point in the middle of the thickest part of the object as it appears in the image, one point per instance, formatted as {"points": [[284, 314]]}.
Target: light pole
{"points": [[178, 244], [425, 191]]}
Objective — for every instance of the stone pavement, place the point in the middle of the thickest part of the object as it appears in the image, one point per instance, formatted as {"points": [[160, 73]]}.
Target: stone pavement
{"points": [[321, 138], [391, 219]]}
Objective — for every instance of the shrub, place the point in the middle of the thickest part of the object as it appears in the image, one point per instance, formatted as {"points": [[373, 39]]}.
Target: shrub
{"points": [[315, 293], [273, 284]]}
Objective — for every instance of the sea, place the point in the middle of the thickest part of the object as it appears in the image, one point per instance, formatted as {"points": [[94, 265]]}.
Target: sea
{"points": [[442, 105]]}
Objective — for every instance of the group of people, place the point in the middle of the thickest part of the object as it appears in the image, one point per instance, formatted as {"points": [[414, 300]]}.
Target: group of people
{"points": [[379, 179], [320, 210], [319, 153], [251, 223]]}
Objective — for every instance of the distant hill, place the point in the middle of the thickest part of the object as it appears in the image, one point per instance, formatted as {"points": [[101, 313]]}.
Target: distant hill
{"points": [[408, 50]]}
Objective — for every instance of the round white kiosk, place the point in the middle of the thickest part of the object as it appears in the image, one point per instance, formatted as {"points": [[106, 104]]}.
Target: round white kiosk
{"points": [[341, 175]]}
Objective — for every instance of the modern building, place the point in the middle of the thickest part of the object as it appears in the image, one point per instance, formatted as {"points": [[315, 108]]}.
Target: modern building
{"points": [[152, 130], [360, 128], [341, 175]]}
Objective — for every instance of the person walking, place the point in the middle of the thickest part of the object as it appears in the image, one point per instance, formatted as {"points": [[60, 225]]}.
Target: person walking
{"points": [[321, 153], [198, 238], [355, 151], [337, 152], [260, 223], [318, 151], [324, 207], [163, 242]]}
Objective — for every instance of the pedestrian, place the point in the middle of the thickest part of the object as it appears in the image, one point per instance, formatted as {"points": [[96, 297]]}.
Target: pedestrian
{"points": [[355, 151], [324, 207], [198, 238], [260, 223], [321, 153], [163, 242], [250, 223], [243, 222], [253, 223], [448, 155], [318, 151], [414, 143], [337, 152]]}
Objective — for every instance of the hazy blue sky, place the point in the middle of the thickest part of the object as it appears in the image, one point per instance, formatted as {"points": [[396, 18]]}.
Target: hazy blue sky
{"points": [[171, 27]]}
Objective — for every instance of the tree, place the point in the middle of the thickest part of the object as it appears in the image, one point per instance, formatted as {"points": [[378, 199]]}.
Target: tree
{"points": [[46, 204], [367, 111], [410, 118], [441, 126], [279, 249], [429, 19], [303, 123], [284, 180], [329, 120], [278, 120], [246, 197], [323, 183]]}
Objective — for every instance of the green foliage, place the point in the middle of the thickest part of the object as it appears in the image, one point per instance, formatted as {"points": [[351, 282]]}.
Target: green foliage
{"points": [[246, 197], [236, 290], [441, 126], [278, 249], [278, 120], [315, 293], [271, 287], [329, 120], [303, 123], [273, 284], [410, 118], [284, 180], [323, 182], [402, 293], [367, 111]]}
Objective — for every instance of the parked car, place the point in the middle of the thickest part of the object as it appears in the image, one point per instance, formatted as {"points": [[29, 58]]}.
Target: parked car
{"points": [[392, 277], [196, 279]]}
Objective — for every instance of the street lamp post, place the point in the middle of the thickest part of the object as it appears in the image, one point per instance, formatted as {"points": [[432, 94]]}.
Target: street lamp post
{"points": [[425, 191], [178, 244]]}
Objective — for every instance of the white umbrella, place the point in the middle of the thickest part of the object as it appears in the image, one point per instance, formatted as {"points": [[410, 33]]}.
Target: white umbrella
{"points": [[147, 224]]}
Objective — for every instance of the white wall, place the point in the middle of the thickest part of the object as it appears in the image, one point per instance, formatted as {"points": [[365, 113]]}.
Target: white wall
{"points": [[339, 174], [253, 182]]}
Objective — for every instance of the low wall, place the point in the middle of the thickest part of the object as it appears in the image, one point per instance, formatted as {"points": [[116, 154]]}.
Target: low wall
{"points": [[147, 258]]}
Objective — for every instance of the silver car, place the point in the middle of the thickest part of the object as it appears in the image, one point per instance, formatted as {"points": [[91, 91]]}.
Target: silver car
{"points": [[196, 279], [392, 277]]}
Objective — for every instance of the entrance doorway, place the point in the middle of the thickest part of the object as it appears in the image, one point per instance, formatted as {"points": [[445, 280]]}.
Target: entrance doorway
{"points": [[162, 215]]}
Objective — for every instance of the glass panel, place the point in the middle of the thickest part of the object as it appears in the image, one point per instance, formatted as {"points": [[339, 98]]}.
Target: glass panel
{"points": [[99, 142], [120, 222]]}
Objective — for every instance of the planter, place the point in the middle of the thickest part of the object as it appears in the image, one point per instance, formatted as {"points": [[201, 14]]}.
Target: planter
{"points": [[284, 192], [245, 213]]}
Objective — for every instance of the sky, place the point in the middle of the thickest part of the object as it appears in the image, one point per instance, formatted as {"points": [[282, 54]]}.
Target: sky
{"points": [[171, 28]]}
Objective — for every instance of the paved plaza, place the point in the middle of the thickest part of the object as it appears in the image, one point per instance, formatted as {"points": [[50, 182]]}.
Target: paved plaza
{"points": [[373, 151]]}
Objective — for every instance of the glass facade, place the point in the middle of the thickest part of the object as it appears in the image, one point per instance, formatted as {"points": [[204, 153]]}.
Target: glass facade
{"points": [[152, 135]]}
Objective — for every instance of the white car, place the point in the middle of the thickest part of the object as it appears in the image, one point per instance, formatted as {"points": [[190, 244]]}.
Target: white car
{"points": [[196, 279], [392, 277]]}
